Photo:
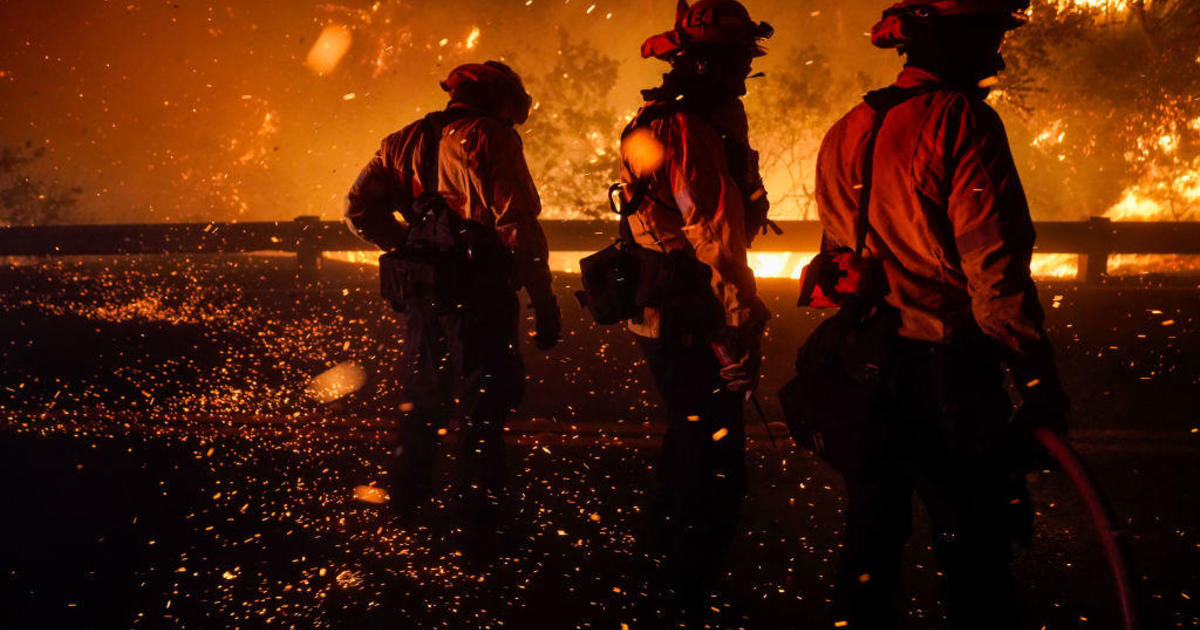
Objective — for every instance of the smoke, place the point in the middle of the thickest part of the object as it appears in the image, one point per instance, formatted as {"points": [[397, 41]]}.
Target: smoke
{"points": [[266, 110]]}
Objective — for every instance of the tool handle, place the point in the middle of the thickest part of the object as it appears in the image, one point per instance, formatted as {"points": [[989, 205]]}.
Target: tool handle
{"points": [[726, 358], [723, 354]]}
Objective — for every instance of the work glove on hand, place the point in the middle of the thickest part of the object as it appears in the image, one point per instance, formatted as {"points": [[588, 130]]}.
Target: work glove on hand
{"points": [[740, 353], [547, 324]]}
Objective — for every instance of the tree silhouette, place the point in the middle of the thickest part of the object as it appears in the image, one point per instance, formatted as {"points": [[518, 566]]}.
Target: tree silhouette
{"points": [[572, 134], [789, 113], [25, 200]]}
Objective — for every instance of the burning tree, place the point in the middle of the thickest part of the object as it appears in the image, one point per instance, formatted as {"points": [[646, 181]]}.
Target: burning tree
{"points": [[25, 200], [1110, 93], [789, 112], [571, 135]]}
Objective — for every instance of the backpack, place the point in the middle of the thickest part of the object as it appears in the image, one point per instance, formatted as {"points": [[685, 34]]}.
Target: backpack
{"points": [[447, 262]]}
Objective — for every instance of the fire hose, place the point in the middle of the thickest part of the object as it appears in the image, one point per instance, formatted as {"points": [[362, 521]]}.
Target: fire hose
{"points": [[1102, 517]]}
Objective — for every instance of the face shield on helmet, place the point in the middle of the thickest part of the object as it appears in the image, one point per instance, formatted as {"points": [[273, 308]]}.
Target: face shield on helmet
{"points": [[491, 87]]}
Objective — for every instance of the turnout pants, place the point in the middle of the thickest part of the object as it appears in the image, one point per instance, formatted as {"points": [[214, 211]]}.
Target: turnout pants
{"points": [[463, 364], [947, 440], [702, 468]]}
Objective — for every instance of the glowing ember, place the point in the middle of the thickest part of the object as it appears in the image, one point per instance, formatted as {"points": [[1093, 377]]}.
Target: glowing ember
{"points": [[329, 49], [370, 494], [348, 579]]}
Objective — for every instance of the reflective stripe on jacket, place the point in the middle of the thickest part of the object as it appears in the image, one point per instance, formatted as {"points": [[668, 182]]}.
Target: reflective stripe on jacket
{"points": [[948, 216], [483, 175]]}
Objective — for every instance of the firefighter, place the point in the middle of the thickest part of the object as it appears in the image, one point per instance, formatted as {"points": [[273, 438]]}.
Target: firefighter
{"points": [[950, 227], [464, 360], [690, 182]]}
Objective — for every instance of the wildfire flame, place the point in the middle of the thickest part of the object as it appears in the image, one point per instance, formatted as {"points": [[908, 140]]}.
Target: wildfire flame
{"points": [[1108, 6]]}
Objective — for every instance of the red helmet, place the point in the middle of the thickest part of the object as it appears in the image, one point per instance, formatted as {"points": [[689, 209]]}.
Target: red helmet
{"points": [[718, 22], [492, 87], [889, 32]]}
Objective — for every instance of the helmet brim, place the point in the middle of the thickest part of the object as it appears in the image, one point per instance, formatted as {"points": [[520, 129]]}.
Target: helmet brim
{"points": [[666, 45]]}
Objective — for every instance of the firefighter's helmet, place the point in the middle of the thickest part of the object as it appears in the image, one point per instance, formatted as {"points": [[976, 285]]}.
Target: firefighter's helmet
{"points": [[891, 30], [724, 23], [492, 87]]}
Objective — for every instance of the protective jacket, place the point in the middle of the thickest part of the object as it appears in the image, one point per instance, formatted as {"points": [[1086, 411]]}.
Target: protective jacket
{"points": [[483, 176], [694, 203], [949, 220]]}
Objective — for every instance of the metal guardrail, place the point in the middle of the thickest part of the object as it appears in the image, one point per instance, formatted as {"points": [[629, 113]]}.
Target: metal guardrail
{"points": [[1095, 240]]}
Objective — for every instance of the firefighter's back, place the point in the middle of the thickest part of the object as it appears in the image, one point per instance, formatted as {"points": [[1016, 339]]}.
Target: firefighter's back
{"points": [[911, 231]]}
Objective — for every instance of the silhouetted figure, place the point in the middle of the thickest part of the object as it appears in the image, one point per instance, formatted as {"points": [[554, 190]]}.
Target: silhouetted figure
{"points": [[694, 198], [469, 240], [949, 230]]}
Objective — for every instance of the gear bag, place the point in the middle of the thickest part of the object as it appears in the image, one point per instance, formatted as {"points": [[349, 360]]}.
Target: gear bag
{"points": [[831, 405], [623, 279], [610, 277], [447, 262]]}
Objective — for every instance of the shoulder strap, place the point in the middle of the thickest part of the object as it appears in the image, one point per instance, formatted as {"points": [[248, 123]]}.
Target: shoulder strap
{"points": [[882, 102], [430, 130], [641, 186]]}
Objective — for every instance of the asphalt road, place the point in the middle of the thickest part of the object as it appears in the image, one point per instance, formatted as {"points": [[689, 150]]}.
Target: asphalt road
{"points": [[164, 469]]}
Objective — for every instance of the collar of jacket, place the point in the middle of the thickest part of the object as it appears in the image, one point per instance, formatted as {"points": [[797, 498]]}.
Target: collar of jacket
{"points": [[913, 76], [727, 116], [462, 108]]}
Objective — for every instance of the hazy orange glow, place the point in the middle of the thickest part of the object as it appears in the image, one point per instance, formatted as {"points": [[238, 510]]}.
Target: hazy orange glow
{"points": [[790, 264], [337, 382], [642, 151], [330, 47], [249, 111]]}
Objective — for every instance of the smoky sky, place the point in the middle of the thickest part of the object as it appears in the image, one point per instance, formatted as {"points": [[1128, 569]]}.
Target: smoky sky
{"points": [[169, 111]]}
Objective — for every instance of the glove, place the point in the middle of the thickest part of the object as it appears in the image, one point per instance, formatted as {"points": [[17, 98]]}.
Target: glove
{"points": [[547, 324], [740, 352]]}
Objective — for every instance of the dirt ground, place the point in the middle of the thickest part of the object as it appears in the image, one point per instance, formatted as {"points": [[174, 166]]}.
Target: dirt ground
{"points": [[165, 468]]}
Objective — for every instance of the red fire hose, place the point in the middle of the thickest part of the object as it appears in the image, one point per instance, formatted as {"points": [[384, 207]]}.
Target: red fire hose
{"points": [[1102, 516]]}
